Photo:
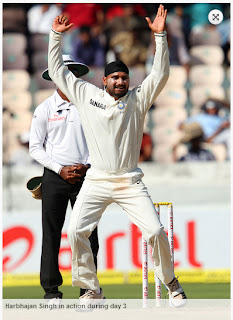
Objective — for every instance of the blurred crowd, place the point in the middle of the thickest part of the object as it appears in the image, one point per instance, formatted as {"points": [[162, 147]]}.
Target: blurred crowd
{"points": [[199, 57]]}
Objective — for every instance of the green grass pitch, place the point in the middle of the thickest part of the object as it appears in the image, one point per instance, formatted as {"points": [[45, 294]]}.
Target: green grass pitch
{"points": [[126, 291]]}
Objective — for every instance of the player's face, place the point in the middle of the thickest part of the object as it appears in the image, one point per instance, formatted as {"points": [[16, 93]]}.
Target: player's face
{"points": [[117, 84]]}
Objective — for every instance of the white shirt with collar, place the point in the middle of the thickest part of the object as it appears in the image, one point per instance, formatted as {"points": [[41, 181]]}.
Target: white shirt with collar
{"points": [[56, 136], [113, 128]]}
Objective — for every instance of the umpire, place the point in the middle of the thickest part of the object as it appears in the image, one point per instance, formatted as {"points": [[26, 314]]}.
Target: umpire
{"points": [[57, 142]]}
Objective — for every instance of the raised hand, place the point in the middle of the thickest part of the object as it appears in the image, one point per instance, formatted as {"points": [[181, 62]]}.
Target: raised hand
{"points": [[159, 22], [61, 24]]}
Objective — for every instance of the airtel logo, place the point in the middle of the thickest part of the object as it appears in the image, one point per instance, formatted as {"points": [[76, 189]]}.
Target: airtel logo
{"points": [[12, 235]]}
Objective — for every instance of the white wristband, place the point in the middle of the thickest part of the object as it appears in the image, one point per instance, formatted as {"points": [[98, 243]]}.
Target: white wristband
{"points": [[160, 34]]}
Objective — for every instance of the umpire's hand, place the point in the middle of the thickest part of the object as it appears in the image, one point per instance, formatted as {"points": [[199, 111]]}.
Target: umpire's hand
{"points": [[72, 174]]}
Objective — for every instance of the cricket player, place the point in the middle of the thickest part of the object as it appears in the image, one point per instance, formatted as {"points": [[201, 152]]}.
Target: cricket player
{"points": [[113, 121]]}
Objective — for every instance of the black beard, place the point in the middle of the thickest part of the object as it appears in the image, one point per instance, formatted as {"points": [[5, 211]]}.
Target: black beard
{"points": [[116, 95], [119, 95]]}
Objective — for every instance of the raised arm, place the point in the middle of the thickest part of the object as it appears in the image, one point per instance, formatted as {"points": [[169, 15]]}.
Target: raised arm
{"points": [[65, 80], [156, 80]]}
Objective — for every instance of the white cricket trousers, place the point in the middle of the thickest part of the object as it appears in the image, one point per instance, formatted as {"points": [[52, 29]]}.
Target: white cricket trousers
{"points": [[99, 190]]}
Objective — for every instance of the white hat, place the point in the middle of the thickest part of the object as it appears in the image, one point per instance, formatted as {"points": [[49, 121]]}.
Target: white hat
{"points": [[78, 69], [35, 186]]}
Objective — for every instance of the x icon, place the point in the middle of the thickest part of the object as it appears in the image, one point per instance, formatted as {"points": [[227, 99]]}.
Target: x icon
{"points": [[215, 16]]}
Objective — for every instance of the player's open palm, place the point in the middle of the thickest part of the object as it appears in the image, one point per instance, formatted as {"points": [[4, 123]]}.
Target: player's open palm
{"points": [[159, 22], [61, 24]]}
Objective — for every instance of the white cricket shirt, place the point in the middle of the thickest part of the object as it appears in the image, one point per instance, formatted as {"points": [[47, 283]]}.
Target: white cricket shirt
{"points": [[113, 129], [56, 136]]}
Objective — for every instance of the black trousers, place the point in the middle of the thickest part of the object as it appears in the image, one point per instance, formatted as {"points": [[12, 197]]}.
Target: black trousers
{"points": [[56, 194]]}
